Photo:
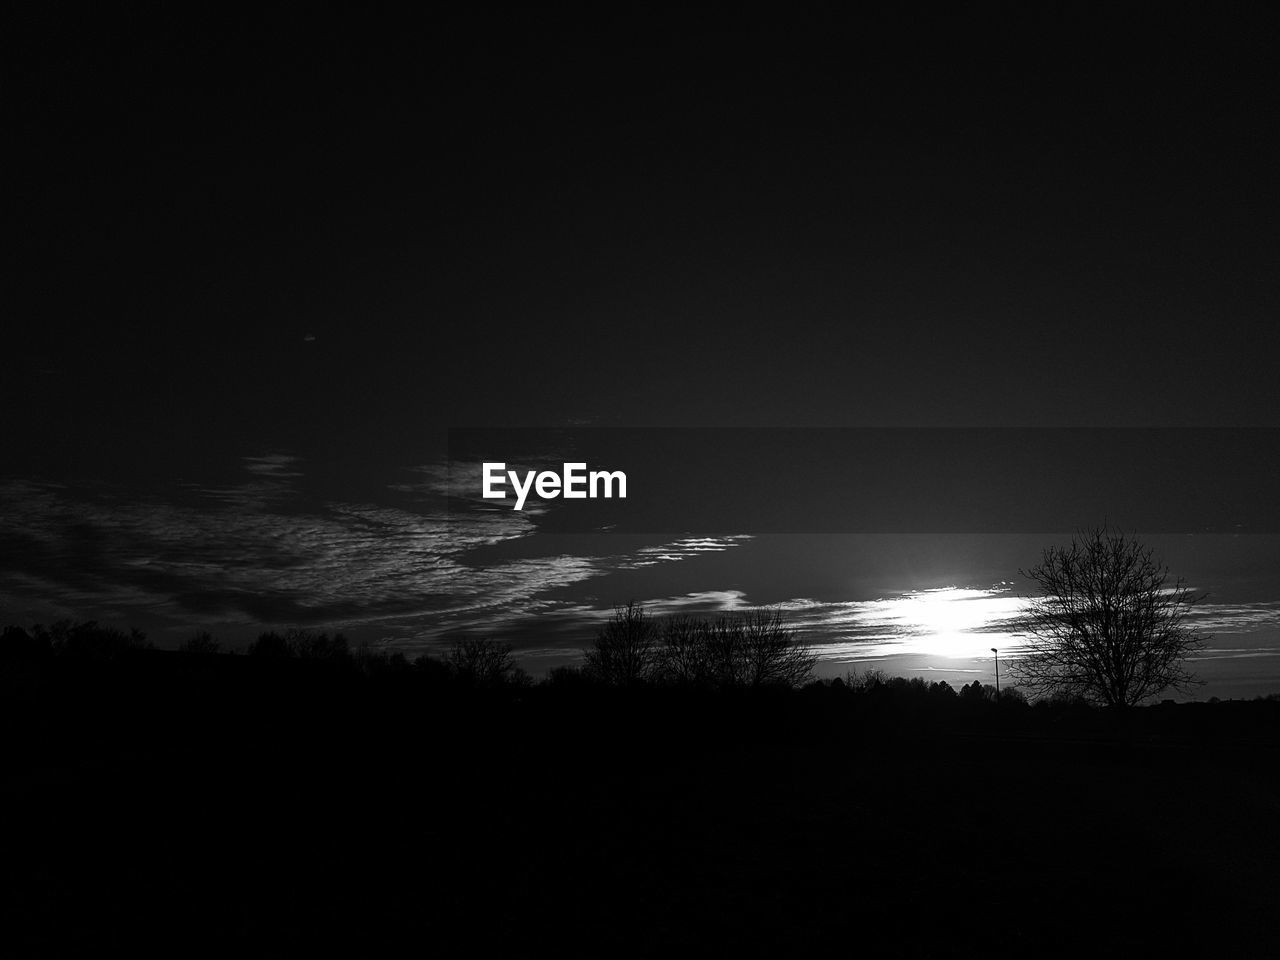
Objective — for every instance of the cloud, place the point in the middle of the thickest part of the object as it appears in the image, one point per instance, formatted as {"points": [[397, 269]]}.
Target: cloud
{"points": [[263, 551], [412, 567], [966, 622], [1236, 617], [951, 622], [273, 465]]}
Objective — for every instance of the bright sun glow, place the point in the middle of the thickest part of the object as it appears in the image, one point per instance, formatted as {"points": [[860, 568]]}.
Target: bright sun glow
{"points": [[950, 621]]}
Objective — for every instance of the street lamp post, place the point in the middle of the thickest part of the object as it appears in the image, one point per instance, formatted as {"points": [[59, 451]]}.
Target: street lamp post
{"points": [[997, 653]]}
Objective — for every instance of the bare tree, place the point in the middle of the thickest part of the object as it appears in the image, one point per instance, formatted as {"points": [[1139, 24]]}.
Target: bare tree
{"points": [[683, 651], [771, 653], [754, 648], [1109, 627], [724, 647], [317, 646], [201, 642], [626, 647], [480, 662]]}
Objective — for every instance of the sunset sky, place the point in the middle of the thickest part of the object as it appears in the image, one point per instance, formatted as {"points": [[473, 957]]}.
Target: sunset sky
{"points": [[255, 284]]}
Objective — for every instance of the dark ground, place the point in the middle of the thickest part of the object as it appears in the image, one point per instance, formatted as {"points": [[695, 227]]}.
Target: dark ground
{"points": [[218, 805]]}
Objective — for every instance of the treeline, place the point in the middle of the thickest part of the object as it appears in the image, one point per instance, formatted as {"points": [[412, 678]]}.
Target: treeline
{"points": [[468, 661], [88, 641], [747, 650], [742, 651], [876, 683], [754, 648]]}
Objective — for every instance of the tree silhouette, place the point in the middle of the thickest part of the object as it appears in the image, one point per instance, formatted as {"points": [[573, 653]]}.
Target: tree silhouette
{"points": [[303, 644], [201, 642], [17, 644], [1109, 627], [684, 653], [626, 647], [270, 645], [480, 662], [771, 654], [753, 648], [317, 646], [90, 641]]}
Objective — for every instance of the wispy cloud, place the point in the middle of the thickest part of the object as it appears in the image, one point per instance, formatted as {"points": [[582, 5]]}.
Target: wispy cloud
{"points": [[265, 551], [953, 622], [1237, 617]]}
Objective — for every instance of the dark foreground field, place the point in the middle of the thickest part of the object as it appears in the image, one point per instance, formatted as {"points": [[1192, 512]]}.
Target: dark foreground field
{"points": [[214, 805]]}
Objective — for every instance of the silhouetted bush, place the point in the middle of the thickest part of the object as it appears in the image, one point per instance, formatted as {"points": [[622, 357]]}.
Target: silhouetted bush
{"points": [[89, 641], [270, 645], [1063, 701], [431, 670], [307, 645], [567, 678], [17, 644], [303, 644], [380, 663], [202, 643]]}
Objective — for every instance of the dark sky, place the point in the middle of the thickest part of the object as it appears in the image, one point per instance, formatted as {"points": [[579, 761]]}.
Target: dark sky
{"points": [[281, 250], [999, 216]]}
